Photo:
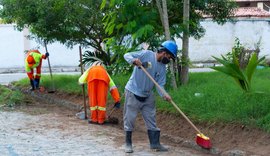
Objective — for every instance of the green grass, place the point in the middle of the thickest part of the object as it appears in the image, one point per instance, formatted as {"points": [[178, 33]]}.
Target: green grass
{"points": [[221, 100], [9, 97], [63, 83]]}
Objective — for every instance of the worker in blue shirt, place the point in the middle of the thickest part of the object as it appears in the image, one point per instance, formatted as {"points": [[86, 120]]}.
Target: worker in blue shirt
{"points": [[139, 96]]}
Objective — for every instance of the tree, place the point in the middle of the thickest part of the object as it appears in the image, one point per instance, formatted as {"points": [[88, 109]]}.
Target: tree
{"points": [[163, 12], [69, 22], [185, 39], [144, 23]]}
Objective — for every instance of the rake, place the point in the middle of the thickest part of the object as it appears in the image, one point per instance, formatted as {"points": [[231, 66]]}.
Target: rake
{"points": [[201, 139]]}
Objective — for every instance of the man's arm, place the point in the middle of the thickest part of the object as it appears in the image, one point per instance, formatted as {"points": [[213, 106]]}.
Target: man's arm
{"points": [[134, 57], [162, 81]]}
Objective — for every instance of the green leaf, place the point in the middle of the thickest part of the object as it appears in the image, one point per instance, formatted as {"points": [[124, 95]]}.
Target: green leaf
{"points": [[229, 68], [232, 69], [252, 64], [103, 4]]}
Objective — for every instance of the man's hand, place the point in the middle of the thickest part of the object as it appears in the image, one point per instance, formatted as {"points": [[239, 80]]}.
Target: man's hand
{"points": [[145, 46], [137, 62], [47, 54], [117, 105], [146, 65], [167, 97]]}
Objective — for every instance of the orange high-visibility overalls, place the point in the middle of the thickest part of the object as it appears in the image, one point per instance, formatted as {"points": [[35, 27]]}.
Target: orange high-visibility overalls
{"points": [[99, 82], [37, 57]]}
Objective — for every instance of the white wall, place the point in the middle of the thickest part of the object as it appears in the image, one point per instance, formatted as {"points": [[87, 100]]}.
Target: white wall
{"points": [[218, 39], [12, 45]]}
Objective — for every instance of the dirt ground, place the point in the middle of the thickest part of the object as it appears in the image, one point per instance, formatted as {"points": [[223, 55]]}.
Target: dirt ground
{"points": [[175, 131], [224, 137], [40, 128]]}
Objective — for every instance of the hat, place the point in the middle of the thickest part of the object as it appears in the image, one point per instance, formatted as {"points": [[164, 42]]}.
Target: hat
{"points": [[30, 60], [171, 47]]}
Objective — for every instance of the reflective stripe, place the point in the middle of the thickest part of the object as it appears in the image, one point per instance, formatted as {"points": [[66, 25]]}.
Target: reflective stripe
{"points": [[112, 87], [102, 108], [98, 108], [38, 74], [93, 108]]}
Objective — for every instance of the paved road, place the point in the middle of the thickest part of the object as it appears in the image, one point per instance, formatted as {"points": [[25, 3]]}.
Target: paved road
{"points": [[47, 129]]}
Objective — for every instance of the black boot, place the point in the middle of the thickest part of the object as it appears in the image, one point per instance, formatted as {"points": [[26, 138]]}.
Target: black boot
{"points": [[37, 83], [154, 141], [32, 84], [128, 148]]}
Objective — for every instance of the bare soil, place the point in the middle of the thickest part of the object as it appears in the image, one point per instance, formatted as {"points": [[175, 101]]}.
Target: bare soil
{"points": [[224, 137]]}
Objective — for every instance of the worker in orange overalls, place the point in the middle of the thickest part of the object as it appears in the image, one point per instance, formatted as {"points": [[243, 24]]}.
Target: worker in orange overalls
{"points": [[34, 60], [99, 82]]}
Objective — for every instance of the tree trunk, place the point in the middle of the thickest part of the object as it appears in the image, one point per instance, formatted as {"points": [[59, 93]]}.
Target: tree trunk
{"points": [[185, 57], [163, 11]]}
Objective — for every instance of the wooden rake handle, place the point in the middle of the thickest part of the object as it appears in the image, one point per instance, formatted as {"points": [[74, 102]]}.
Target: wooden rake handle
{"points": [[48, 60], [164, 93]]}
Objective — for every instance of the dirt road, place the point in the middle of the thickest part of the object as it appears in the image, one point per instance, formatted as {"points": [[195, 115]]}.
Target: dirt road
{"points": [[38, 129]]}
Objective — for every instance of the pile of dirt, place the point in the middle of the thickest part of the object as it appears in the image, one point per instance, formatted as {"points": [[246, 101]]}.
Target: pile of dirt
{"points": [[224, 137]]}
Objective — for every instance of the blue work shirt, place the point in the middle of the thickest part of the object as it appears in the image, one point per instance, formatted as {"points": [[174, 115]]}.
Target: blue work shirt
{"points": [[139, 83]]}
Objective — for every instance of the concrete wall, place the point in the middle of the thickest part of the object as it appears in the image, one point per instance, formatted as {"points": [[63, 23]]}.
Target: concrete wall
{"points": [[13, 43], [218, 39]]}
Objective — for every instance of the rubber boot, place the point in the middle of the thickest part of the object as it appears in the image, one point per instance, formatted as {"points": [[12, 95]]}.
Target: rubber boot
{"points": [[37, 83], [128, 148], [154, 141], [32, 84]]}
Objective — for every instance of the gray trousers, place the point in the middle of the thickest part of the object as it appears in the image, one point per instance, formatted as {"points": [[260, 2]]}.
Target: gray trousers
{"points": [[147, 109]]}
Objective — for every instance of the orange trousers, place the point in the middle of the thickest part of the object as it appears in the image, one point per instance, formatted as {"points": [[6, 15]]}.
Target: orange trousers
{"points": [[97, 92], [38, 72]]}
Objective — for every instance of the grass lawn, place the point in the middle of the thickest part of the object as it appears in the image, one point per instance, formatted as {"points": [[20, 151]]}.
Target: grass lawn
{"points": [[209, 97]]}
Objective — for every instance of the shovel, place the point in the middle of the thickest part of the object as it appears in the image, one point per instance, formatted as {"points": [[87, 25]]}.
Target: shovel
{"points": [[112, 120], [201, 139], [83, 86], [52, 88]]}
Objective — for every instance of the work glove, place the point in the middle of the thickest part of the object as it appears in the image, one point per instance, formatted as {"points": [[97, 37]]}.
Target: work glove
{"points": [[47, 54], [117, 105], [146, 65]]}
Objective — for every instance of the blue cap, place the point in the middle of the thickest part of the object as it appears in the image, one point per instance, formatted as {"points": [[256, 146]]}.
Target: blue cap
{"points": [[171, 47]]}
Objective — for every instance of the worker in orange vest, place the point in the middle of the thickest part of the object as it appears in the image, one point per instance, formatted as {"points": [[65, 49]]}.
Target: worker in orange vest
{"points": [[34, 60], [99, 82]]}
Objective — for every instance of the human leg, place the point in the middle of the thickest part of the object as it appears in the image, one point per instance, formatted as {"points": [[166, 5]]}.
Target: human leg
{"points": [[102, 92], [38, 75], [92, 94], [149, 116], [31, 78], [131, 109]]}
